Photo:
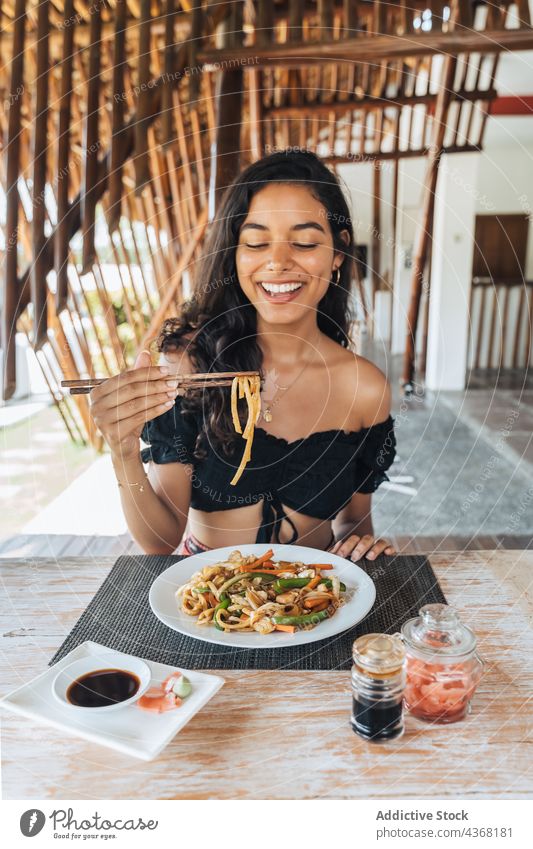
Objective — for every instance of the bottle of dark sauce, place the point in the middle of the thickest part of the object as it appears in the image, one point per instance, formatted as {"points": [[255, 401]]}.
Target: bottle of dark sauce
{"points": [[378, 682], [102, 688]]}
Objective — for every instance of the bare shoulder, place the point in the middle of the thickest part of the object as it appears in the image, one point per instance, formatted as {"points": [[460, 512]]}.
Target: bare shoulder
{"points": [[366, 382]]}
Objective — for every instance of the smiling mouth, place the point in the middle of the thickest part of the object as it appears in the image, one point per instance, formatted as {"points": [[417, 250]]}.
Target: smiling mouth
{"points": [[280, 291]]}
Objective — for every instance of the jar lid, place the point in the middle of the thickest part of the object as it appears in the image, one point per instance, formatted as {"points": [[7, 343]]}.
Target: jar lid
{"points": [[379, 652], [439, 630]]}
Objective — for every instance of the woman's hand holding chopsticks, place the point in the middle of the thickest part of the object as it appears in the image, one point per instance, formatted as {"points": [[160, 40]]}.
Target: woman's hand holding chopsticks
{"points": [[123, 404]]}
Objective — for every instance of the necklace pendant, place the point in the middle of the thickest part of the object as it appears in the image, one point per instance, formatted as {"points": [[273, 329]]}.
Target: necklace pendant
{"points": [[267, 415]]}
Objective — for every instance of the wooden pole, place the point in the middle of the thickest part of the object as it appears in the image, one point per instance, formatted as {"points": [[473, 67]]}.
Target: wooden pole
{"points": [[144, 95], [117, 120], [39, 159], [194, 46], [376, 235], [257, 142], [168, 64], [395, 183], [91, 144], [11, 308], [225, 158], [428, 204], [264, 23], [61, 240]]}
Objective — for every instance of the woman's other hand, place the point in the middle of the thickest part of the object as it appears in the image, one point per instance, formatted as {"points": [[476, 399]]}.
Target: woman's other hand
{"points": [[121, 406], [354, 547]]}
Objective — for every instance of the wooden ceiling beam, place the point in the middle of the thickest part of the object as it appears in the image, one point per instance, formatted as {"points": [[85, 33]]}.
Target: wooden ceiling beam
{"points": [[370, 49], [371, 103], [358, 158]]}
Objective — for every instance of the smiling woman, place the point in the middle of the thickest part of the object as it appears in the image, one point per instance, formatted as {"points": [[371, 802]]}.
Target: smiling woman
{"points": [[283, 244]]}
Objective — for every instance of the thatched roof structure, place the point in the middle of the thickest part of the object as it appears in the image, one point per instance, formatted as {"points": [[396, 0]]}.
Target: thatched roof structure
{"points": [[121, 121]]}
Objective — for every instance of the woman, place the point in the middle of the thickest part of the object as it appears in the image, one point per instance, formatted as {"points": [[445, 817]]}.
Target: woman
{"points": [[271, 295]]}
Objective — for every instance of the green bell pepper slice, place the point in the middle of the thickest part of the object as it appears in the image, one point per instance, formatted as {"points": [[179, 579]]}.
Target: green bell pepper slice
{"points": [[237, 578], [305, 619], [223, 604], [283, 584]]}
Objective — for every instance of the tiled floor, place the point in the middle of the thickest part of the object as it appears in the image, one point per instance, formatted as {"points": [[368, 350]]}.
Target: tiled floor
{"points": [[505, 414], [38, 461]]}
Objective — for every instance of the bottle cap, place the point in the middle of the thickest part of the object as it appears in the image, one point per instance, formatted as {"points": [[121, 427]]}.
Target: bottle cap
{"points": [[379, 652], [439, 631]]}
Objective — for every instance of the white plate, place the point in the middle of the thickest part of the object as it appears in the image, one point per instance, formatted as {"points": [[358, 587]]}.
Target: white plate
{"points": [[360, 597], [129, 730]]}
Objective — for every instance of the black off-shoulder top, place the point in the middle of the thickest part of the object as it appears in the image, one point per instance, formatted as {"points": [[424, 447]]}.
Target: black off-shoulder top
{"points": [[316, 475]]}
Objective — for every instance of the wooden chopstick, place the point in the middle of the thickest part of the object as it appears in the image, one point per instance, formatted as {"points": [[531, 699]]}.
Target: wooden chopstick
{"points": [[200, 381]]}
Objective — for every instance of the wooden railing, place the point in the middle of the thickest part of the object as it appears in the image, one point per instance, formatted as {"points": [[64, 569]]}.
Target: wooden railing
{"points": [[501, 322]]}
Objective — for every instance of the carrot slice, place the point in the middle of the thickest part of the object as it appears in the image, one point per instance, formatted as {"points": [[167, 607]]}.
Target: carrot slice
{"points": [[316, 603], [290, 629], [326, 566], [251, 567], [314, 582], [263, 558]]}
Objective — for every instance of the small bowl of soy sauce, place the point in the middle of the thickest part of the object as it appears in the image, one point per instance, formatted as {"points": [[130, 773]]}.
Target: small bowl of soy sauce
{"points": [[100, 683]]}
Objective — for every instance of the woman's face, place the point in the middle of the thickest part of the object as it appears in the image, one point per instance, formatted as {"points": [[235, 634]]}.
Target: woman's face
{"points": [[285, 257]]}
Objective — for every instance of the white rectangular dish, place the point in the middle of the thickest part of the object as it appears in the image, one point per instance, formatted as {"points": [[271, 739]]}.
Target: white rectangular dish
{"points": [[128, 730]]}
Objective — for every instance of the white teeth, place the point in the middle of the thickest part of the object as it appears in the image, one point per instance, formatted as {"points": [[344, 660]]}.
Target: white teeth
{"points": [[275, 288]]}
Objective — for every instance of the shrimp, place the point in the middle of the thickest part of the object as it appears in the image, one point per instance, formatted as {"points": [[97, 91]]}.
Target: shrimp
{"points": [[155, 700], [165, 697]]}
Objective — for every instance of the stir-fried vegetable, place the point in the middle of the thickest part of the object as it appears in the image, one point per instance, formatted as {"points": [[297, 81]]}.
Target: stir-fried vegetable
{"points": [[222, 605], [306, 619], [247, 593], [283, 584], [242, 576]]}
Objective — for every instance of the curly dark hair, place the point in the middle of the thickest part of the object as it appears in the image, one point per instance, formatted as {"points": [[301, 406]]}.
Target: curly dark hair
{"points": [[217, 325]]}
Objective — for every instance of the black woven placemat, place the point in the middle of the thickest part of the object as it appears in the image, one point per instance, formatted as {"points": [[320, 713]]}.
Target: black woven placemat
{"points": [[119, 616]]}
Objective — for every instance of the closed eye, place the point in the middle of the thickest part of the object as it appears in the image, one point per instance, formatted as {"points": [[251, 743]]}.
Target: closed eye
{"points": [[296, 245]]}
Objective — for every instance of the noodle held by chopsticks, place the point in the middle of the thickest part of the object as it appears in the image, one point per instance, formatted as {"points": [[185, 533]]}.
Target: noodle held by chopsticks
{"points": [[249, 388]]}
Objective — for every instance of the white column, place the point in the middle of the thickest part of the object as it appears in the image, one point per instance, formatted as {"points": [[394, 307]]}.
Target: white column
{"points": [[410, 177], [451, 271]]}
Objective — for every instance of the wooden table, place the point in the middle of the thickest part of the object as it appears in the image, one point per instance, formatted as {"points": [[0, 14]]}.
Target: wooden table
{"points": [[282, 734]]}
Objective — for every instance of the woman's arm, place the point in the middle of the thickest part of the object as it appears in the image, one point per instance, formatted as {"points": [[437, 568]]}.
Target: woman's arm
{"points": [[353, 528], [355, 518], [156, 515], [155, 505]]}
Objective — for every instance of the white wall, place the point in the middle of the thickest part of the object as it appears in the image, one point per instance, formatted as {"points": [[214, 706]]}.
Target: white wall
{"points": [[503, 184], [451, 273], [359, 181]]}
